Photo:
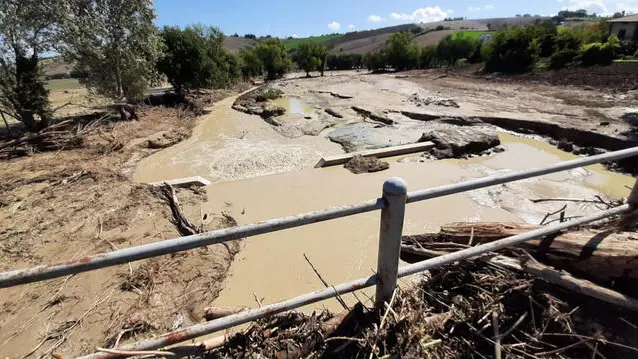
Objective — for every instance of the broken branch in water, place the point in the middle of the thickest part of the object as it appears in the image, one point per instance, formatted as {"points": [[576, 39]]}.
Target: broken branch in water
{"points": [[184, 226], [338, 297], [562, 210]]}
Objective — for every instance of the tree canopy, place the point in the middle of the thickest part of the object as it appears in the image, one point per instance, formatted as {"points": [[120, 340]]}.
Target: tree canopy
{"points": [[272, 55], [311, 57]]}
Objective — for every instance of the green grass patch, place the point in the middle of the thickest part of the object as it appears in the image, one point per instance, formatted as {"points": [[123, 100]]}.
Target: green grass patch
{"points": [[472, 35], [628, 61], [292, 44], [62, 84]]}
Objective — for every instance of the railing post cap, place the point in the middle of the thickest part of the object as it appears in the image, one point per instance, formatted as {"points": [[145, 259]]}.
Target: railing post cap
{"points": [[395, 186]]}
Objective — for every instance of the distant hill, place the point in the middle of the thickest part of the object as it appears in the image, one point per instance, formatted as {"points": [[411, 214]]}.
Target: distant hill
{"points": [[363, 42], [237, 43], [55, 66]]}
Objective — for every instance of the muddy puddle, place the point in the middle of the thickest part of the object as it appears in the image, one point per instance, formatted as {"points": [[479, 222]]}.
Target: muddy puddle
{"points": [[293, 105], [259, 174]]}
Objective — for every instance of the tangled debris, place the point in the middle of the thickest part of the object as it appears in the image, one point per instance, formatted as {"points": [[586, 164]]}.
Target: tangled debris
{"points": [[468, 310], [359, 164]]}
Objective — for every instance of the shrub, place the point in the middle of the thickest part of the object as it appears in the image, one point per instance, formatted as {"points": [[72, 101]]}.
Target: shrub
{"points": [[451, 50], [512, 50], [344, 61], [427, 57], [195, 58], [58, 76], [563, 58], [250, 64], [375, 61], [402, 53], [272, 55], [597, 54]]}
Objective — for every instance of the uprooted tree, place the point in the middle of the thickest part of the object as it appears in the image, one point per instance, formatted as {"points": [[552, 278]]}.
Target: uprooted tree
{"points": [[115, 43], [26, 31]]}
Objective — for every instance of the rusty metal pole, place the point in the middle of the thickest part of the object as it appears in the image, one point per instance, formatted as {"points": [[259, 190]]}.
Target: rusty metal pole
{"points": [[392, 214]]}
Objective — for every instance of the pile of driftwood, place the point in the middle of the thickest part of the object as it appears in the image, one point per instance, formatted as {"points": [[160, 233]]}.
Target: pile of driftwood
{"points": [[62, 135], [518, 303]]}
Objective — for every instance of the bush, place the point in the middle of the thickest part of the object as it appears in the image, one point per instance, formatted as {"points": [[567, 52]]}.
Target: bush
{"points": [[427, 57], [451, 50], [597, 54], [344, 61], [563, 58], [513, 50], [375, 61], [195, 58], [250, 64], [272, 55], [402, 53]]}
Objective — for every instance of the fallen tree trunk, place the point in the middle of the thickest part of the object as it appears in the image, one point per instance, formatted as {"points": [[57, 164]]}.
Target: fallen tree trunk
{"points": [[600, 255]]}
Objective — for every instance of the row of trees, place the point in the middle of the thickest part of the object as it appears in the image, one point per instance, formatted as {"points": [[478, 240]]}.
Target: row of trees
{"points": [[117, 52]]}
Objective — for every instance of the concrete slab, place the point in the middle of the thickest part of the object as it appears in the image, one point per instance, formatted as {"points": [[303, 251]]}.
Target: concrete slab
{"points": [[379, 153], [185, 182]]}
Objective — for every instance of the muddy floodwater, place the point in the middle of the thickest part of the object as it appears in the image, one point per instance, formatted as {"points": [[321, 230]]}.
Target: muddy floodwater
{"points": [[259, 174]]}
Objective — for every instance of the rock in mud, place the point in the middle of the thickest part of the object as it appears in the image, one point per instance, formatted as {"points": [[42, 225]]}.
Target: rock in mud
{"points": [[272, 121], [460, 142], [359, 164], [256, 103], [432, 100], [333, 113], [364, 136], [565, 145], [163, 139], [376, 116], [631, 116]]}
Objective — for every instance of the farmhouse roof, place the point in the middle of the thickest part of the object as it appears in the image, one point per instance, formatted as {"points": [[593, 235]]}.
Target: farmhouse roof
{"points": [[632, 18]]}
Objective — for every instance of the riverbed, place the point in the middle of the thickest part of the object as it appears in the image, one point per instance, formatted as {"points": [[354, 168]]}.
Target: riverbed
{"points": [[259, 172]]}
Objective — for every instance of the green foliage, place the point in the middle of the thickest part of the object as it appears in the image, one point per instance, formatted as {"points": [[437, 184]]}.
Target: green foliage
{"points": [[308, 57], [451, 50], [27, 29], [293, 44], [115, 43], [471, 35], [512, 50], [427, 57], [195, 58], [600, 54], [416, 30], [402, 52], [344, 61], [375, 61], [250, 64], [563, 58], [272, 55]]}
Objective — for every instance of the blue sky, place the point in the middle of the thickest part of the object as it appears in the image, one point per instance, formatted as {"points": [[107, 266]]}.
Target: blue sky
{"points": [[304, 18]]}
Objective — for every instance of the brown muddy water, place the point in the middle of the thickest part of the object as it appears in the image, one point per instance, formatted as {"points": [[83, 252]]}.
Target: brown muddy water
{"points": [[258, 174]]}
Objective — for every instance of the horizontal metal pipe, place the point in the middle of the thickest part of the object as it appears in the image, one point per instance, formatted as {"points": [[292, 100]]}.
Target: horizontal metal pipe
{"points": [[445, 190], [29, 275], [268, 310]]}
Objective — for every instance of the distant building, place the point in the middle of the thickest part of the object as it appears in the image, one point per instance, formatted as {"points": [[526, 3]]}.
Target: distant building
{"points": [[626, 28]]}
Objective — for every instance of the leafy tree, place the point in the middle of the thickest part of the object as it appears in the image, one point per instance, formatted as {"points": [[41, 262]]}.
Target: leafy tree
{"points": [[196, 58], [115, 43], [451, 50], [321, 52], [250, 36], [427, 57], [512, 50], [376, 61], [402, 53], [272, 55], [26, 30], [250, 64], [306, 57]]}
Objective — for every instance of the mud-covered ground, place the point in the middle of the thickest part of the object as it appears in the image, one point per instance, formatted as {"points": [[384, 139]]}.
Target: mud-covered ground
{"points": [[75, 202]]}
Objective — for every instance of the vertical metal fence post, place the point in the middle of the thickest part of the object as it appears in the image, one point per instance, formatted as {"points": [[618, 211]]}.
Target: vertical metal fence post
{"points": [[394, 196], [633, 196]]}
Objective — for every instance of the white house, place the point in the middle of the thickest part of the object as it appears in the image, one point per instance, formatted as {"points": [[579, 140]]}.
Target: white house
{"points": [[626, 28]]}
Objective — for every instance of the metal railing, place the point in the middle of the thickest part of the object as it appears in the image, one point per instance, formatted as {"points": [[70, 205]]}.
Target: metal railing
{"points": [[392, 206]]}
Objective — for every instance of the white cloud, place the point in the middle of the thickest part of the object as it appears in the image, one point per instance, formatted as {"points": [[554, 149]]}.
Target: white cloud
{"points": [[351, 27], [375, 18], [425, 14], [294, 36], [473, 9], [488, 7], [597, 6], [334, 26]]}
